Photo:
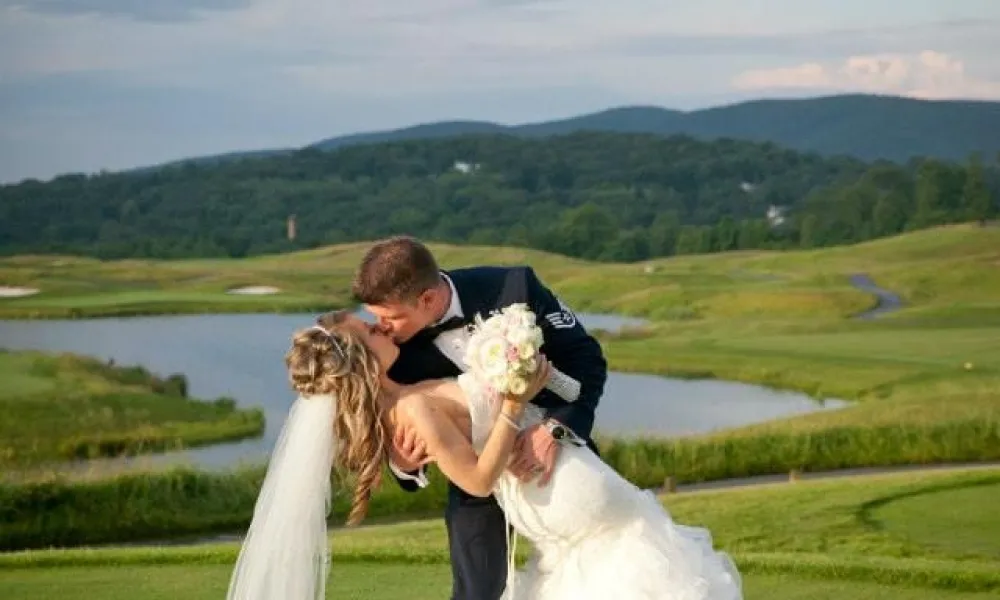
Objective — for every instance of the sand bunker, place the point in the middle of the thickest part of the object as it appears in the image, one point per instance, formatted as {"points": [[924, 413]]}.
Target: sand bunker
{"points": [[7, 291], [255, 290]]}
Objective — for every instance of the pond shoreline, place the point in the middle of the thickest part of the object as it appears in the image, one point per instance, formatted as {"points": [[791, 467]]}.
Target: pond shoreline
{"points": [[251, 349]]}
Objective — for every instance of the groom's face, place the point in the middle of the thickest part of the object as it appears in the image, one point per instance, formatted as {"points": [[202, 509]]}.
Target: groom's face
{"points": [[402, 320]]}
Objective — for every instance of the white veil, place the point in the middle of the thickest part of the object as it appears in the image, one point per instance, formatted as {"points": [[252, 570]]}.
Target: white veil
{"points": [[285, 555]]}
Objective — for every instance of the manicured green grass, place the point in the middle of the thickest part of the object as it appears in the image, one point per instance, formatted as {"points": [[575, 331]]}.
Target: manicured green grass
{"points": [[376, 581], [56, 407], [953, 520], [194, 582], [840, 538]]}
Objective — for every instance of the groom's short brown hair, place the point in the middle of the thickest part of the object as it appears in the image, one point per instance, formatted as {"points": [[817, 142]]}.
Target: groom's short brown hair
{"points": [[397, 269]]}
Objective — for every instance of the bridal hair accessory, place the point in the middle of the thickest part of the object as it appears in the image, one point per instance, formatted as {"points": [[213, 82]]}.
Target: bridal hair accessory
{"points": [[322, 329], [339, 349]]}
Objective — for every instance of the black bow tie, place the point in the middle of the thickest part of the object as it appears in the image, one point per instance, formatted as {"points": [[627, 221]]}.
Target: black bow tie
{"points": [[447, 325]]}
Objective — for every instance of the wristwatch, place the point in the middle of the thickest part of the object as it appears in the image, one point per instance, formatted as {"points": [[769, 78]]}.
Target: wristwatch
{"points": [[562, 434]]}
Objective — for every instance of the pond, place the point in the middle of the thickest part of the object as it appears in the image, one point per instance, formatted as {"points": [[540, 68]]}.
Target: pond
{"points": [[242, 356]]}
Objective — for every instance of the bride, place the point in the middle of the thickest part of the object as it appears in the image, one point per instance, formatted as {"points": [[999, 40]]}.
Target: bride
{"points": [[595, 535]]}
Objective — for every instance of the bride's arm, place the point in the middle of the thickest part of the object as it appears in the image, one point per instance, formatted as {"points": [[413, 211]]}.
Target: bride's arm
{"points": [[451, 449]]}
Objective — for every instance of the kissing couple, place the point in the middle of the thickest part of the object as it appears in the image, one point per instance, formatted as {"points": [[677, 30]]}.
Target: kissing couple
{"points": [[399, 393]]}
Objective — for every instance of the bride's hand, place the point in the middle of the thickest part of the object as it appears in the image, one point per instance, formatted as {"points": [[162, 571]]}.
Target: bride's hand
{"points": [[538, 380]]}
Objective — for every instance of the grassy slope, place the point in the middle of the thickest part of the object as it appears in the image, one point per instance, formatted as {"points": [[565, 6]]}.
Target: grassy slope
{"points": [[898, 536], [941, 271], [64, 406], [310, 279]]}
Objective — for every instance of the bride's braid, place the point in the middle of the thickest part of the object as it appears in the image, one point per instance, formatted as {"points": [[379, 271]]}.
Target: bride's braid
{"points": [[341, 365]]}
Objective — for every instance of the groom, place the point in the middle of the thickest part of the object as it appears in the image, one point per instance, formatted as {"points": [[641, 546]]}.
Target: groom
{"points": [[424, 309]]}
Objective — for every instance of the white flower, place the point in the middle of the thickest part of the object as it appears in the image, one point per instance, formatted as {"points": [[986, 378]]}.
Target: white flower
{"points": [[518, 308], [502, 383], [502, 350], [519, 336], [491, 356]]}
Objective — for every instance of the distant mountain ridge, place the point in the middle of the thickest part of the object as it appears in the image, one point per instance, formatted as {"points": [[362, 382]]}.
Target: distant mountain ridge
{"points": [[862, 126]]}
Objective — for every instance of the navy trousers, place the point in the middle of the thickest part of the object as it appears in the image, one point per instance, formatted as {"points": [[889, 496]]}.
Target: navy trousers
{"points": [[477, 541]]}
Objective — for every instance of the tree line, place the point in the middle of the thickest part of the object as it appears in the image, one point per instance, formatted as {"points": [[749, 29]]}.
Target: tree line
{"points": [[602, 196]]}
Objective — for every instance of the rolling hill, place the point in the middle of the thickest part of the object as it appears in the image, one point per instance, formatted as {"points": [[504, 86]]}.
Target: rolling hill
{"points": [[860, 126]]}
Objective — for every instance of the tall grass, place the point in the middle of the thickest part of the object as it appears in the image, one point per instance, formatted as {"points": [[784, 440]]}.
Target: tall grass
{"points": [[180, 501], [648, 462], [164, 504]]}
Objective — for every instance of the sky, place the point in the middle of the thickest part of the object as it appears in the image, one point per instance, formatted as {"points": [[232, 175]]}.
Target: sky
{"points": [[87, 85]]}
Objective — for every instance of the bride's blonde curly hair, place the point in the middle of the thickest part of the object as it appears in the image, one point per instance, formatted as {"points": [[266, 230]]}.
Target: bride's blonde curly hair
{"points": [[340, 364]]}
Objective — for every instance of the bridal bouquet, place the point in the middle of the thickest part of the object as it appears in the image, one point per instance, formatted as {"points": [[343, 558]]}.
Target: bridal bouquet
{"points": [[503, 349]]}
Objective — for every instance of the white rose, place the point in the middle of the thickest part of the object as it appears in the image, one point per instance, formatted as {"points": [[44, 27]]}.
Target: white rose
{"points": [[519, 336], [491, 356], [518, 386], [526, 350], [502, 383], [517, 308]]}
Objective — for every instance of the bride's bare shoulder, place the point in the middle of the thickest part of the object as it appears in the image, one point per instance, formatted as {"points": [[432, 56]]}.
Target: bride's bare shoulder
{"points": [[439, 388], [439, 395]]}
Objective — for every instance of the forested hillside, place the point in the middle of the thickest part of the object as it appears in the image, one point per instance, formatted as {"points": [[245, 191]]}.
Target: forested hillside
{"points": [[613, 196]]}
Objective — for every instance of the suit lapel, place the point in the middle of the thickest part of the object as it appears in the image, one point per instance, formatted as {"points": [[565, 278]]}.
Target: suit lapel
{"points": [[470, 295], [421, 359]]}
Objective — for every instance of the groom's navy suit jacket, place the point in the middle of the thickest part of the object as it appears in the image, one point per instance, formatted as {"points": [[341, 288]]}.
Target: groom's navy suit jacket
{"points": [[567, 345]]}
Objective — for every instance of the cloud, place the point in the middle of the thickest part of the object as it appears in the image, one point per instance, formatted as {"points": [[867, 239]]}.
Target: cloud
{"points": [[175, 77], [962, 36], [140, 10], [928, 74]]}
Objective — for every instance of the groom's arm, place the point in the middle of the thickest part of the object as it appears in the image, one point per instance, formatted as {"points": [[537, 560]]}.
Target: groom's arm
{"points": [[573, 351], [405, 448]]}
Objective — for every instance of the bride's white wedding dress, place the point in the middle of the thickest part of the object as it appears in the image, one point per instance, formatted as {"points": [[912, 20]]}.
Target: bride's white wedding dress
{"points": [[596, 535]]}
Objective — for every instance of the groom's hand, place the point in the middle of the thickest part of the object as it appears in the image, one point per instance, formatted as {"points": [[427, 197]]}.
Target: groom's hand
{"points": [[535, 453], [408, 452]]}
